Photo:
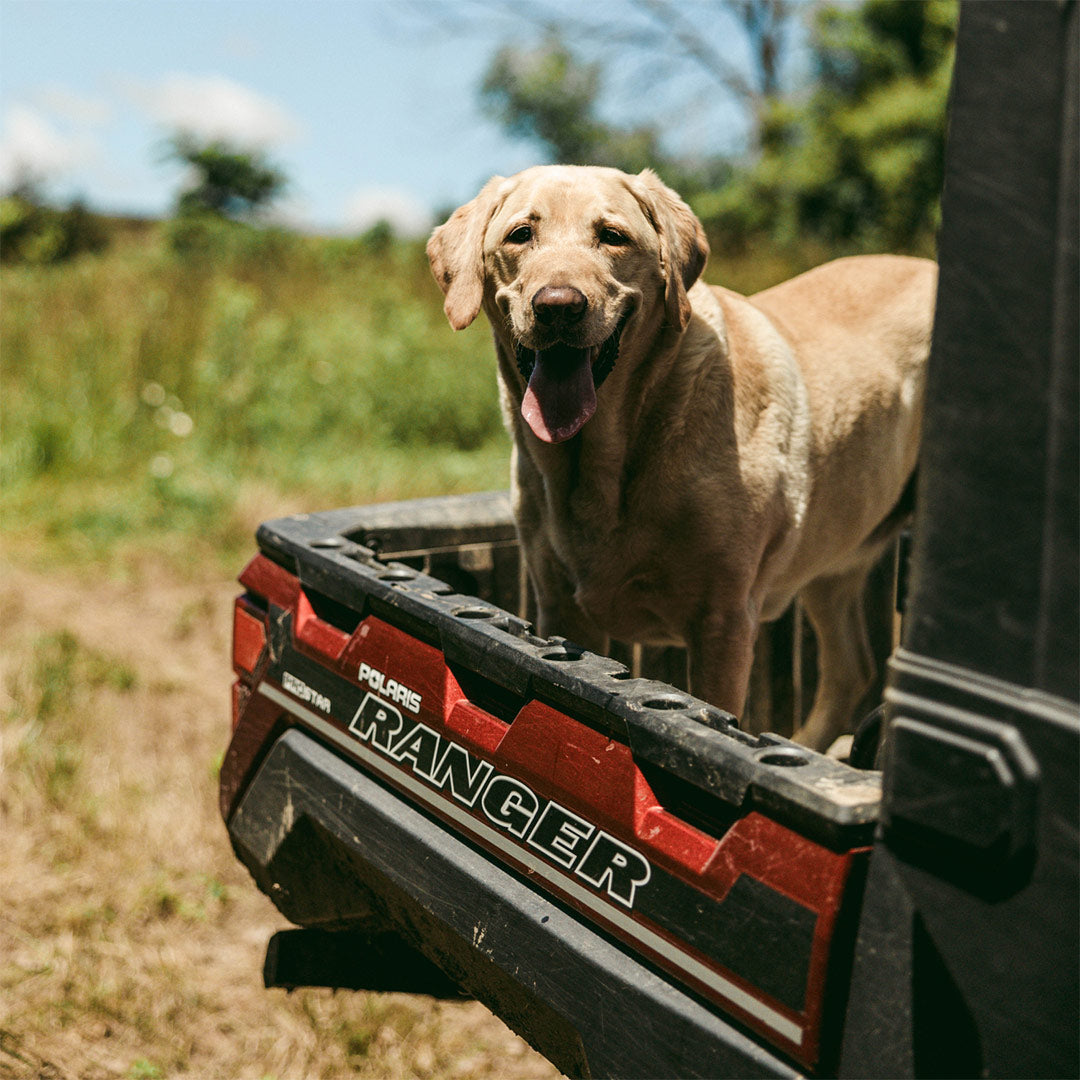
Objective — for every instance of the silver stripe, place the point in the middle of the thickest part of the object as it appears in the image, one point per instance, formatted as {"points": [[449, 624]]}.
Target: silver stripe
{"points": [[735, 994]]}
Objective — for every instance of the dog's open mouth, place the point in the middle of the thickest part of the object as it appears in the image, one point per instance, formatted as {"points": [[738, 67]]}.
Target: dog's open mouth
{"points": [[562, 382]]}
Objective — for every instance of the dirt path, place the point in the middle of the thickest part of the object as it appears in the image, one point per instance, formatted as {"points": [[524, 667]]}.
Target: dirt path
{"points": [[131, 940]]}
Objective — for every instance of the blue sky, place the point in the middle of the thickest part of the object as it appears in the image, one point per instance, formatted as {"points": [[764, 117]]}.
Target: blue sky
{"points": [[370, 106]]}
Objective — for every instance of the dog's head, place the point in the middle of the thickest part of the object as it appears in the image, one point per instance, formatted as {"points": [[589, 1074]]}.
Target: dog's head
{"points": [[566, 260]]}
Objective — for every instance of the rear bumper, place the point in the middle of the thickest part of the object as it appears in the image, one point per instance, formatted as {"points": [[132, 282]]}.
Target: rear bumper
{"points": [[336, 849]]}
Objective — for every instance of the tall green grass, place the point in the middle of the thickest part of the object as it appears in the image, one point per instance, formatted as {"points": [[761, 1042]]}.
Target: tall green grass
{"points": [[154, 397], [191, 380]]}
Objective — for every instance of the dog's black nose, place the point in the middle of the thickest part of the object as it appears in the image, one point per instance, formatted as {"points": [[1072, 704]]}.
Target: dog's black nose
{"points": [[556, 305]]}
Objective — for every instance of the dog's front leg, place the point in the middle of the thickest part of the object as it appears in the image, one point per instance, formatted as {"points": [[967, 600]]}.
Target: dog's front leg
{"points": [[845, 659], [566, 619], [557, 610], [721, 646]]}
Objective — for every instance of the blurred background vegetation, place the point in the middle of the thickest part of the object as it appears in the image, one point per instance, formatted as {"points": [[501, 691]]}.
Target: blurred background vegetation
{"points": [[168, 383], [849, 156]]}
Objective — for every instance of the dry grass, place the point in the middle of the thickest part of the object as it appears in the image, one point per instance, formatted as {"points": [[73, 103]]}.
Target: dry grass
{"points": [[145, 393], [154, 409], [131, 940]]}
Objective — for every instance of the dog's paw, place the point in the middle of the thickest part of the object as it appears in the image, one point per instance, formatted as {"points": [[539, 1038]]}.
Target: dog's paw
{"points": [[840, 748]]}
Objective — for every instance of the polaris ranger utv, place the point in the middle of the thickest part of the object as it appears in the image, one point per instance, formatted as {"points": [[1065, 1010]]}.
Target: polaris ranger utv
{"points": [[446, 803]]}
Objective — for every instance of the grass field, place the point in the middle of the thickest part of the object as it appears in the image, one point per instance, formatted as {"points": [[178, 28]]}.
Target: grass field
{"points": [[150, 397], [153, 399], [155, 407], [131, 939]]}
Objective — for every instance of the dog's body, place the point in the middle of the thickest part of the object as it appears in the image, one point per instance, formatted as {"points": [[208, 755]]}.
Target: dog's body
{"points": [[740, 451]]}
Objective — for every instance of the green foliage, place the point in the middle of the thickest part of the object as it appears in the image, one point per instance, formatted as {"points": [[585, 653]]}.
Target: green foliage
{"points": [[546, 95], [151, 395], [200, 236], [379, 239], [43, 703], [141, 1069], [32, 232], [229, 181], [162, 400], [854, 163], [859, 163]]}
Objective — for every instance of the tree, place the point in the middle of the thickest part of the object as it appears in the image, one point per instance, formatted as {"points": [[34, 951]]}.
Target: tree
{"points": [[700, 35], [547, 95], [855, 159], [33, 231], [861, 161], [228, 181], [713, 62]]}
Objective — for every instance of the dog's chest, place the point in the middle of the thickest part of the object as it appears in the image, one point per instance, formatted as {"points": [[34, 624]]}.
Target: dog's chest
{"points": [[633, 607], [633, 576]]}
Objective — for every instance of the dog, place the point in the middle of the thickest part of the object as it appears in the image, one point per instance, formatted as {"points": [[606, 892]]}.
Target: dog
{"points": [[686, 460]]}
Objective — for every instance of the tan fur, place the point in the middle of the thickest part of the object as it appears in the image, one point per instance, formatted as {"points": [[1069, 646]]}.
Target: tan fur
{"points": [[743, 450]]}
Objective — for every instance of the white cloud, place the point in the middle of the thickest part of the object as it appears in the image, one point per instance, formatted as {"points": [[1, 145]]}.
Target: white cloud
{"points": [[290, 211], [370, 205], [213, 107], [81, 110], [33, 148]]}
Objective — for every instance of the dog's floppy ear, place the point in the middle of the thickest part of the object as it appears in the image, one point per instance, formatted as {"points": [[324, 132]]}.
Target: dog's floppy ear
{"points": [[683, 246], [456, 254]]}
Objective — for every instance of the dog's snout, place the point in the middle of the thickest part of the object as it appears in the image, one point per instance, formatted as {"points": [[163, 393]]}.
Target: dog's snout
{"points": [[559, 305]]}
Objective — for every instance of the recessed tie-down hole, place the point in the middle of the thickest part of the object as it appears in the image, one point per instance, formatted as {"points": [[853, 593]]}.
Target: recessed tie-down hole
{"points": [[785, 757], [476, 613], [666, 701], [562, 655], [398, 574]]}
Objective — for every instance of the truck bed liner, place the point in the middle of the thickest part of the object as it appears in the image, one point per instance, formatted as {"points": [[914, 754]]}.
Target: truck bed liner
{"points": [[720, 862]]}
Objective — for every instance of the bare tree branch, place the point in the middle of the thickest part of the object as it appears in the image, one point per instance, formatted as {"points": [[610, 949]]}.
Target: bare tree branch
{"points": [[766, 24], [687, 37], [646, 44]]}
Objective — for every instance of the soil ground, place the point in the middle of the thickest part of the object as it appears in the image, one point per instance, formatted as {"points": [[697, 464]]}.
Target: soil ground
{"points": [[131, 939]]}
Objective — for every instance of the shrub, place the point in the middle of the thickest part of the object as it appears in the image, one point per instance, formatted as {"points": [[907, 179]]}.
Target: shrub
{"points": [[34, 233]]}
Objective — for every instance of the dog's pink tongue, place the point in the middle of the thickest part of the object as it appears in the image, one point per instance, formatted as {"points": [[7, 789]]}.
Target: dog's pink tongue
{"points": [[560, 397]]}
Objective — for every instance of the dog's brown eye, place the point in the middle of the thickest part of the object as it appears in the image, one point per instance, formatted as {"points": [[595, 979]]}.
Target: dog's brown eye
{"points": [[521, 235], [613, 238]]}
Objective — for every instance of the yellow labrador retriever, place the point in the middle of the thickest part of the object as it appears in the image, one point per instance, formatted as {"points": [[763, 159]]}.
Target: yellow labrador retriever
{"points": [[687, 460]]}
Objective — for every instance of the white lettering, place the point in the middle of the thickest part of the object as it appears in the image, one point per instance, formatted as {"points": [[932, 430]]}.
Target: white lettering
{"points": [[565, 838], [559, 833], [299, 688], [390, 688]]}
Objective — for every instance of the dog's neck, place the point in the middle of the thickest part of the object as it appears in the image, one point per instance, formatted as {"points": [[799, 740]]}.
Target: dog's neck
{"points": [[591, 474]]}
